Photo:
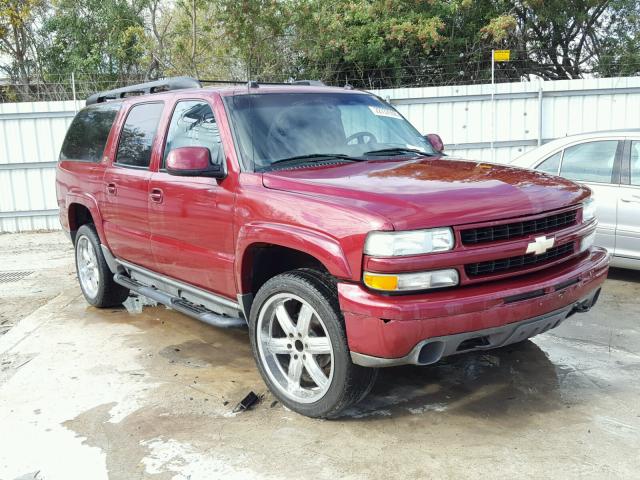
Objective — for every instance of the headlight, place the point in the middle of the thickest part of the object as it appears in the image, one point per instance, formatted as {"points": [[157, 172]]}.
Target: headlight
{"points": [[403, 282], [392, 244], [588, 210]]}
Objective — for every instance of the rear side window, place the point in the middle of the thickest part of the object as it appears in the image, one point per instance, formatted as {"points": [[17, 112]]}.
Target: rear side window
{"points": [[551, 164], [88, 133], [590, 162], [138, 133]]}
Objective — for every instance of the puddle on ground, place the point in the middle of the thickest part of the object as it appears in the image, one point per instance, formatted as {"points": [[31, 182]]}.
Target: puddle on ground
{"points": [[512, 381], [195, 354], [211, 366]]}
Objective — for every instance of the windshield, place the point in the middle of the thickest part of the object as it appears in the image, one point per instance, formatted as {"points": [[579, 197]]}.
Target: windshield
{"points": [[279, 126]]}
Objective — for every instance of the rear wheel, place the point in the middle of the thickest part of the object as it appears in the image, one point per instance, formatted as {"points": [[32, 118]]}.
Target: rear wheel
{"points": [[300, 346], [94, 275]]}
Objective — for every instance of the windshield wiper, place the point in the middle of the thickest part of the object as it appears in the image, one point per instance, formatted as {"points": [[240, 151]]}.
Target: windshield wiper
{"points": [[316, 157], [397, 151]]}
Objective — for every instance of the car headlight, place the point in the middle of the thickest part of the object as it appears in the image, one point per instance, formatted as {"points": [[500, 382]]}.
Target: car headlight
{"points": [[588, 210], [413, 242], [404, 282]]}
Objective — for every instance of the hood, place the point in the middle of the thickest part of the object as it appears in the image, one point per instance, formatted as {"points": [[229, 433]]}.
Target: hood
{"points": [[424, 193]]}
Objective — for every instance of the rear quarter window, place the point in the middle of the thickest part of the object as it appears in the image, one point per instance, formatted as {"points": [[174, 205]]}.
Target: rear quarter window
{"points": [[87, 136]]}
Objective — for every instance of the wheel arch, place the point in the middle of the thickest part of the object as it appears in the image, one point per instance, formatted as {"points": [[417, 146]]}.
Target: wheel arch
{"points": [[82, 209], [296, 247]]}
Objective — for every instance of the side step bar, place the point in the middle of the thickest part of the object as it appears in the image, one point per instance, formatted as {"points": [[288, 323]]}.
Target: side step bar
{"points": [[179, 304]]}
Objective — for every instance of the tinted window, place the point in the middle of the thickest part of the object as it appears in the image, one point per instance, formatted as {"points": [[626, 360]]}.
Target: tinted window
{"points": [[590, 162], [635, 163], [137, 135], [193, 125], [88, 133], [550, 164]]}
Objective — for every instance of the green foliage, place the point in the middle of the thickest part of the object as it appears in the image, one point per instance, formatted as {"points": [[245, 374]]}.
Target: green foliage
{"points": [[377, 43], [619, 50], [97, 36], [369, 43], [17, 18]]}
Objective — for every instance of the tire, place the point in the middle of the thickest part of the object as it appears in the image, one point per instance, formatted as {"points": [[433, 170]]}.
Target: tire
{"points": [[94, 275], [327, 381]]}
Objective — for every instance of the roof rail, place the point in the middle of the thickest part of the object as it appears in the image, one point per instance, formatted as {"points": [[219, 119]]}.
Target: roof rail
{"points": [[224, 82], [172, 83], [308, 83]]}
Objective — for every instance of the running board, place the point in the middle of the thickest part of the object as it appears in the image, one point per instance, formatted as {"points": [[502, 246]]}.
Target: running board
{"points": [[179, 304]]}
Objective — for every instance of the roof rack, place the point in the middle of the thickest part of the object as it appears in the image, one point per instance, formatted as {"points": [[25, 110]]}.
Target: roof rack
{"points": [[165, 85], [308, 83]]}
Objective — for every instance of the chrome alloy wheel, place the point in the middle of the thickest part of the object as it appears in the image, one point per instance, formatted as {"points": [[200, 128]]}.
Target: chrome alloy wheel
{"points": [[295, 348], [87, 262]]}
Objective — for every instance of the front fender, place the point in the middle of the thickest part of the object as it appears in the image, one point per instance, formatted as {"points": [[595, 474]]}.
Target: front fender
{"points": [[324, 248]]}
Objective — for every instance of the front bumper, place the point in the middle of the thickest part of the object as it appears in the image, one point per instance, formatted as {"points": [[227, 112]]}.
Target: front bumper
{"points": [[433, 349], [394, 330]]}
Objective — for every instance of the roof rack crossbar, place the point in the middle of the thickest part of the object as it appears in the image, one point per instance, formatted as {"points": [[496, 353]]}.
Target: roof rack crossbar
{"points": [[164, 85]]}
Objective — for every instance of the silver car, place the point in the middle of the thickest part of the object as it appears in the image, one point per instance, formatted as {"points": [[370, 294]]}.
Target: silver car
{"points": [[609, 163]]}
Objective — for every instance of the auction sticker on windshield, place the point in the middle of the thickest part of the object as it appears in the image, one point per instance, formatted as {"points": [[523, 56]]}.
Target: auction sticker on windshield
{"points": [[384, 112]]}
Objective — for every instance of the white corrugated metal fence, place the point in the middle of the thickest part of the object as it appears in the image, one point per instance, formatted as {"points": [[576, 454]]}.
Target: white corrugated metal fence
{"points": [[525, 114], [30, 138], [472, 124]]}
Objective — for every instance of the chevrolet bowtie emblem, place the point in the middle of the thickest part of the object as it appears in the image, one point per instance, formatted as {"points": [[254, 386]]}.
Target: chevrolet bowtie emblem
{"points": [[540, 245]]}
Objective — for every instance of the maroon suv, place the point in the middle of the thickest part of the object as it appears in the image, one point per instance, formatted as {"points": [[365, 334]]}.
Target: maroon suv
{"points": [[319, 216]]}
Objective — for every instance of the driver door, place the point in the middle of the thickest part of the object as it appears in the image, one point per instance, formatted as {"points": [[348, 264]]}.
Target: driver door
{"points": [[191, 218]]}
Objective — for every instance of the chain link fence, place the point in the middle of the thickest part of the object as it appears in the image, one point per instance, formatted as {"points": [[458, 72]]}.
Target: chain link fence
{"points": [[444, 70]]}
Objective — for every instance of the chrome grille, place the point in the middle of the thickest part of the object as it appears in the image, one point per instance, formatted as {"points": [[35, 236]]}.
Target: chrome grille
{"points": [[509, 231]]}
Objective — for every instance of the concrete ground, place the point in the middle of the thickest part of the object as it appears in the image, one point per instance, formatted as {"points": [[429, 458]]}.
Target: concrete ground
{"points": [[144, 392]]}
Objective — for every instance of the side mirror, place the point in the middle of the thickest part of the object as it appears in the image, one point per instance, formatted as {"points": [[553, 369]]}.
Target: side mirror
{"points": [[435, 141], [193, 162]]}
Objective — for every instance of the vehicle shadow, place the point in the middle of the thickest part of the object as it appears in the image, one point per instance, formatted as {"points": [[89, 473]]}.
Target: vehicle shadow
{"points": [[624, 275], [512, 380]]}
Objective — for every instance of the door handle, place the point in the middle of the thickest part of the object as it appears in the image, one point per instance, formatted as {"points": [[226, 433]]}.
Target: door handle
{"points": [[156, 195], [631, 199], [111, 188]]}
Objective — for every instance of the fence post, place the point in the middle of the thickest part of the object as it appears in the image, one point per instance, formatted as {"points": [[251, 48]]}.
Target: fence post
{"points": [[73, 89], [493, 106], [540, 90]]}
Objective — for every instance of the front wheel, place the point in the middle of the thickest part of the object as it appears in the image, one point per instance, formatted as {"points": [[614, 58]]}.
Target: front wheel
{"points": [[299, 343], [96, 280]]}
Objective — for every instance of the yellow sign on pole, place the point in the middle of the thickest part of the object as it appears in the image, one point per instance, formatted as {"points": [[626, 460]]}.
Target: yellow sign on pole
{"points": [[502, 55]]}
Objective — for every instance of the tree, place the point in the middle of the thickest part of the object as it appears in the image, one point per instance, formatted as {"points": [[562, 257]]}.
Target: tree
{"points": [[257, 34], [195, 41], [17, 41], [564, 39], [104, 37], [618, 52], [379, 43], [370, 43]]}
